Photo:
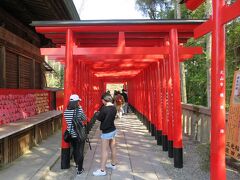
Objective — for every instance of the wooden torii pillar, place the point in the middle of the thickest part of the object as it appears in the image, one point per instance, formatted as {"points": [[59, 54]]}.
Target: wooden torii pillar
{"points": [[68, 89], [171, 114], [222, 14], [177, 109]]}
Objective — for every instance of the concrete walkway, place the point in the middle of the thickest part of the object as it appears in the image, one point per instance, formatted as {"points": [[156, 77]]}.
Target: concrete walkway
{"points": [[35, 163], [139, 158], [136, 156]]}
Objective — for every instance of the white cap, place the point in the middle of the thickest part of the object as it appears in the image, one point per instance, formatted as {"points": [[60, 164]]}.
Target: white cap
{"points": [[74, 97]]}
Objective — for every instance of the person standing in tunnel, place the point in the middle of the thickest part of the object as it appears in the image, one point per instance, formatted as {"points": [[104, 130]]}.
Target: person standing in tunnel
{"points": [[119, 101], [125, 105], [106, 117], [75, 110]]}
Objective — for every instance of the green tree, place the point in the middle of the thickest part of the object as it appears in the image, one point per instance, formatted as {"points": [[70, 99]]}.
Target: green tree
{"points": [[196, 76], [232, 55], [156, 9], [197, 68], [55, 78], [199, 13], [232, 58]]}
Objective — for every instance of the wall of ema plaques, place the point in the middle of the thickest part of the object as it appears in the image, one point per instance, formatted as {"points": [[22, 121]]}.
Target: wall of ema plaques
{"points": [[20, 104]]}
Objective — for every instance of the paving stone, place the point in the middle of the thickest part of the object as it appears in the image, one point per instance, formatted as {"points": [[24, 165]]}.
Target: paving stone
{"points": [[145, 176]]}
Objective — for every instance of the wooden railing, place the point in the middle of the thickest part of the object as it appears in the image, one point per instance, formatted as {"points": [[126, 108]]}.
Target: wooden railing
{"points": [[196, 122]]}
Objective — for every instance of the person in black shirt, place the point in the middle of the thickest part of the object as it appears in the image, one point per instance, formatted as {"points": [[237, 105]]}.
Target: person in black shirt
{"points": [[106, 117]]}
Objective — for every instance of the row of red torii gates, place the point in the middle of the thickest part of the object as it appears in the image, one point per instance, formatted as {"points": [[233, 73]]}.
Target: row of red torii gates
{"points": [[145, 54]]}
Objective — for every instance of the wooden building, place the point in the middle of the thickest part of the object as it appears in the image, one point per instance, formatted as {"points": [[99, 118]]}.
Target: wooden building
{"points": [[21, 65], [27, 115]]}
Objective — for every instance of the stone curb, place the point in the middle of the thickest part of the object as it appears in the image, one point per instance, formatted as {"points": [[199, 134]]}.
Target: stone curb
{"points": [[42, 172]]}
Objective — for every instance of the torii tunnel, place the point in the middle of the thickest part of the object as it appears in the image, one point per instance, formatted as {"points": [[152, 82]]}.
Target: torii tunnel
{"points": [[142, 54]]}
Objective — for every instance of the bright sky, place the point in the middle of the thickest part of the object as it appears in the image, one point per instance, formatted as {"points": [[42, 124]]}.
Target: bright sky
{"points": [[107, 9]]}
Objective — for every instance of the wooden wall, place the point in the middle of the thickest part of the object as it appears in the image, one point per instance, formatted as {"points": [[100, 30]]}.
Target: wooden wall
{"points": [[20, 63], [20, 59], [18, 28]]}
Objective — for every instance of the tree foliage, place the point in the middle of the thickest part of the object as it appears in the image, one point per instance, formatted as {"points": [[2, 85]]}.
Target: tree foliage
{"points": [[196, 76], [55, 78], [232, 54], [196, 68], [156, 9], [199, 13]]}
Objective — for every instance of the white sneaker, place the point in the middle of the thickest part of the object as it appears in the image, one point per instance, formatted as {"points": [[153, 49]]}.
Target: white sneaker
{"points": [[110, 166], [99, 172]]}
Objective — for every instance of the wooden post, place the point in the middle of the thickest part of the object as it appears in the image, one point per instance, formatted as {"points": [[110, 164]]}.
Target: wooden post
{"points": [[33, 74], [159, 105], [68, 89], [170, 108], [177, 128], [164, 109], [2, 67], [218, 165], [6, 150], [18, 72]]}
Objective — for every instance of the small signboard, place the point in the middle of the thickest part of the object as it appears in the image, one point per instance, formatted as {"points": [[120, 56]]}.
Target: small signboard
{"points": [[233, 125]]}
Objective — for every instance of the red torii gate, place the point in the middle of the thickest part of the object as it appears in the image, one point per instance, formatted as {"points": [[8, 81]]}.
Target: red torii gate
{"points": [[222, 14], [131, 45]]}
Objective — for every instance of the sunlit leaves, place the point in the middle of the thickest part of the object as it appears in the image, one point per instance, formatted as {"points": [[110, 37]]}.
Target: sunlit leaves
{"points": [[156, 9]]}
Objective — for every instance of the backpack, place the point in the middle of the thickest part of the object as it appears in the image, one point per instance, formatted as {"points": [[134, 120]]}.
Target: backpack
{"points": [[80, 129]]}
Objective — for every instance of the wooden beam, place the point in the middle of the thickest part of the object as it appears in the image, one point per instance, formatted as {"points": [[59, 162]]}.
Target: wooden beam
{"points": [[107, 51], [115, 69], [190, 50], [114, 28], [203, 29], [24, 10], [128, 35], [184, 58], [18, 42], [33, 74], [230, 12], [6, 150], [138, 42], [117, 74], [117, 78], [118, 52], [193, 4], [18, 72]]}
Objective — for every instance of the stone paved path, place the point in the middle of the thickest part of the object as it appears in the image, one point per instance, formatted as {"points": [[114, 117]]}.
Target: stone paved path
{"points": [[139, 158]]}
